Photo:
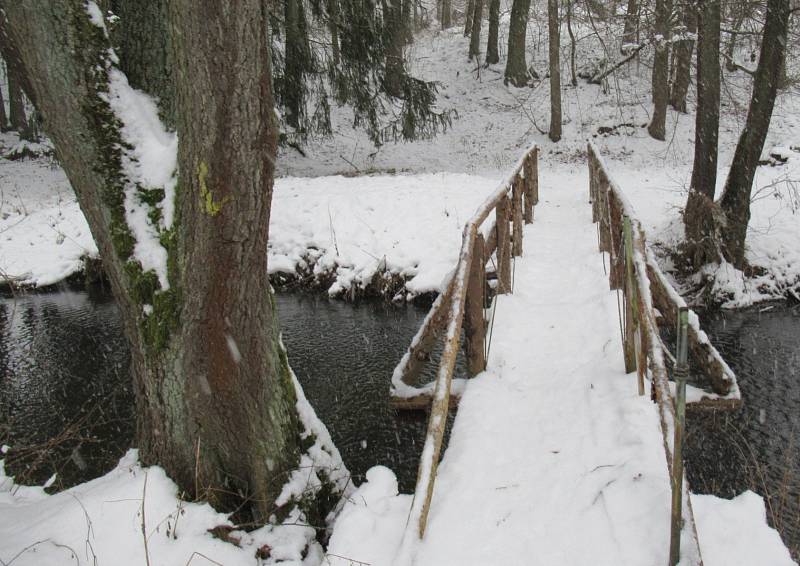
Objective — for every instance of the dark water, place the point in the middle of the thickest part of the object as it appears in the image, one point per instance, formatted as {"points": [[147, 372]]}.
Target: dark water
{"points": [[757, 447], [63, 376]]}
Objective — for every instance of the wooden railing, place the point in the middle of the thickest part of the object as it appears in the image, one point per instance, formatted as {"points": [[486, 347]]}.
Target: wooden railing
{"points": [[650, 300], [462, 304]]}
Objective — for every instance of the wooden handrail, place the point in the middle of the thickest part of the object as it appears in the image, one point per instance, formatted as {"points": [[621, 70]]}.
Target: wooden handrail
{"points": [[613, 212], [510, 201]]}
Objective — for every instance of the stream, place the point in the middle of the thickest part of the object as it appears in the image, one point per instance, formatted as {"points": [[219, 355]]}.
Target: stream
{"points": [[66, 402]]}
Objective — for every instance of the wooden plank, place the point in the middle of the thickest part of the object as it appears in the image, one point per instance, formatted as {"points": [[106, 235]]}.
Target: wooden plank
{"points": [[410, 366], [474, 328], [516, 215], [491, 242], [528, 187], [419, 402], [503, 246]]}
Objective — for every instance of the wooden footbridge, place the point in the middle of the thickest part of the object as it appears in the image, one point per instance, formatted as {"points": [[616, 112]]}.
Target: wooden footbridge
{"points": [[647, 305]]}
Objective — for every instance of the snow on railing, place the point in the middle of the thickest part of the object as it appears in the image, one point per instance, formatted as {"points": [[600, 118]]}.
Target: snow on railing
{"points": [[461, 304], [644, 287]]}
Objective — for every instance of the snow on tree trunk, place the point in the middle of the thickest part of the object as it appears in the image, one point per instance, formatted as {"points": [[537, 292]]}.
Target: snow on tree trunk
{"points": [[215, 398], [683, 59]]}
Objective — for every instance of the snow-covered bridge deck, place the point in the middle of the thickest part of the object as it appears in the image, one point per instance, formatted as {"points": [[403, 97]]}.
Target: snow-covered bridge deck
{"points": [[554, 458]]}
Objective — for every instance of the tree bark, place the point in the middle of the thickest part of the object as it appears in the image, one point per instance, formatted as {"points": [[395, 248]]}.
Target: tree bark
{"points": [[16, 103], [144, 50], [492, 52], [735, 201], [297, 62], [333, 27], [468, 18], [658, 123], [475, 36], [701, 217], [555, 70], [395, 65], [630, 35], [447, 14], [516, 67], [3, 116], [683, 59], [572, 46], [215, 401]]}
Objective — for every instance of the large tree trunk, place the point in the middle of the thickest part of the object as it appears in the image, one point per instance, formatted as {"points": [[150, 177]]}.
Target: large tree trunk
{"points": [[215, 401], [555, 70], [683, 59], [735, 201], [475, 36], [658, 123], [492, 52], [701, 217], [516, 67]]}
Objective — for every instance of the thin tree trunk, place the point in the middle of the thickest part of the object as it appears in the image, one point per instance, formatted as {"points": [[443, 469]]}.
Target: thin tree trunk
{"points": [[215, 401], [333, 27], [658, 123], [3, 117], [701, 217], [475, 37], [395, 64], [683, 59], [555, 70], [297, 62], [408, 22], [631, 33], [730, 47], [446, 16], [735, 201], [516, 67], [468, 18], [492, 52], [572, 46]]}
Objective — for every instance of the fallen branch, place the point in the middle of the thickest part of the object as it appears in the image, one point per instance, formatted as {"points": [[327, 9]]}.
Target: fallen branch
{"points": [[598, 79]]}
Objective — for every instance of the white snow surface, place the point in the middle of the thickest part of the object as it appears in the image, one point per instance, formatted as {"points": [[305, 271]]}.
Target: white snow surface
{"points": [[553, 456], [100, 522]]}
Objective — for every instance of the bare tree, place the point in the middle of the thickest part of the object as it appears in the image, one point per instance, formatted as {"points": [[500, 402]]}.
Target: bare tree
{"points": [[516, 67], [735, 201], [631, 34], [470, 10], [492, 52], [702, 217], [475, 36], [554, 37], [683, 57], [657, 127]]}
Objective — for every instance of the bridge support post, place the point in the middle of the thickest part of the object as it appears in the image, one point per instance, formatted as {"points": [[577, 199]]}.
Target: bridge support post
{"points": [[503, 246], [631, 307], [530, 179], [516, 212], [681, 373], [474, 327]]}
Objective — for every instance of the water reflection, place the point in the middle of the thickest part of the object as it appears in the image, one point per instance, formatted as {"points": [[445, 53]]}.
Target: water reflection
{"points": [[64, 380], [758, 447]]}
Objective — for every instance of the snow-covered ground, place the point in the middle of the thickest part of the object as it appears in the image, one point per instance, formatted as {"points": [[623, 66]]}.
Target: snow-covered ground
{"points": [[410, 224]]}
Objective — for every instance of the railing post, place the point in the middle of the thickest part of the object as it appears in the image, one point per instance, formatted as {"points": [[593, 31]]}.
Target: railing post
{"points": [[503, 246], [681, 373], [516, 212], [528, 186], [535, 177], [474, 328], [631, 308]]}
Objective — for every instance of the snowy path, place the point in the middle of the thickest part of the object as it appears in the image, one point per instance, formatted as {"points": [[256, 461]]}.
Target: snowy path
{"points": [[554, 459]]}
